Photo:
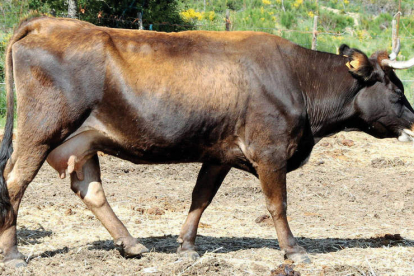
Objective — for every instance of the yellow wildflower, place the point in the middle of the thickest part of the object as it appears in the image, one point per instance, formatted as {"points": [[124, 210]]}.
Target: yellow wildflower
{"points": [[191, 14], [297, 3], [212, 15]]}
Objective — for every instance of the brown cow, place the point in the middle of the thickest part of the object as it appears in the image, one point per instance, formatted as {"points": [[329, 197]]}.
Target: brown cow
{"points": [[252, 101]]}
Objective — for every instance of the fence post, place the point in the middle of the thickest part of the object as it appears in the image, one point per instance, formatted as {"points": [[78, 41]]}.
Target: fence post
{"points": [[228, 23], [398, 16], [315, 32], [140, 27], [72, 8], [394, 34]]}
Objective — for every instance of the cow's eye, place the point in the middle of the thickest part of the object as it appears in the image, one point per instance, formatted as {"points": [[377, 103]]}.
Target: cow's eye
{"points": [[398, 91], [396, 97]]}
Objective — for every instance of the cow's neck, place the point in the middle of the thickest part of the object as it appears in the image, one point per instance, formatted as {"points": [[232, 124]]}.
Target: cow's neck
{"points": [[329, 91]]}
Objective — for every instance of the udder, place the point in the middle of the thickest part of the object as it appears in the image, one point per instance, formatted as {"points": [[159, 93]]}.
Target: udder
{"points": [[73, 153]]}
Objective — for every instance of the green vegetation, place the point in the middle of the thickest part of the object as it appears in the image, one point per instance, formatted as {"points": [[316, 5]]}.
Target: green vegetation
{"points": [[363, 24]]}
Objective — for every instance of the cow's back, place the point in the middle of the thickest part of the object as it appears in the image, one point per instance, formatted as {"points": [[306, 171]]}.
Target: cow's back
{"points": [[185, 94]]}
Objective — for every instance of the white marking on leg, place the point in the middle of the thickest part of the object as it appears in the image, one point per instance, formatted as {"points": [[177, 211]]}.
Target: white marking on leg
{"points": [[95, 194]]}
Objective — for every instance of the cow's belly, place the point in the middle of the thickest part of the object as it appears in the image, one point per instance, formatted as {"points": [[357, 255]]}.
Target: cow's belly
{"points": [[94, 136]]}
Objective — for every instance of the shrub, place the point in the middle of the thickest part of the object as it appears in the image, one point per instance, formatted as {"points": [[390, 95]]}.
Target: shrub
{"points": [[234, 5], [288, 19], [334, 22]]}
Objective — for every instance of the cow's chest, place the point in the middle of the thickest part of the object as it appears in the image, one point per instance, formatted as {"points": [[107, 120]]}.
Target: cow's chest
{"points": [[302, 153]]}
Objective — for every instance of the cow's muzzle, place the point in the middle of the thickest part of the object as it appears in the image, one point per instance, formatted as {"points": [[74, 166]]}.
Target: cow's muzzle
{"points": [[406, 135]]}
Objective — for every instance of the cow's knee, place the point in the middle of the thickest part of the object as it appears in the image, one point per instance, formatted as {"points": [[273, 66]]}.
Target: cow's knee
{"points": [[278, 210], [93, 194]]}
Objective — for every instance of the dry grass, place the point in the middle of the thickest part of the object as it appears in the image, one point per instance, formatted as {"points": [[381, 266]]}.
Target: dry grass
{"points": [[341, 206]]}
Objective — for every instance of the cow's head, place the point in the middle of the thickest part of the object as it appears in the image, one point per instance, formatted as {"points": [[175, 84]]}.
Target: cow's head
{"points": [[380, 105]]}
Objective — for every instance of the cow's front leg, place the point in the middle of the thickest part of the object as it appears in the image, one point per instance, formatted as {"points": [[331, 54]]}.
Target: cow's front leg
{"points": [[209, 180], [273, 181], [91, 192]]}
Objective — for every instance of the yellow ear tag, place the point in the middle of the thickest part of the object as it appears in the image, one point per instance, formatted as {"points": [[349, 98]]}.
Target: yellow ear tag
{"points": [[355, 63]]}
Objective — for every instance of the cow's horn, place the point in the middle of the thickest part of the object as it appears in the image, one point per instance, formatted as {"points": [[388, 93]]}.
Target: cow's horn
{"points": [[392, 63], [398, 64]]}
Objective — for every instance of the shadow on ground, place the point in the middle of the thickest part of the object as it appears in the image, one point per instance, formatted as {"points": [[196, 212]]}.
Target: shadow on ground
{"points": [[26, 236], [168, 244]]}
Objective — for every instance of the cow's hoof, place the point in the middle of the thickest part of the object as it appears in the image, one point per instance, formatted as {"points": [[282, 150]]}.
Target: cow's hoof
{"points": [[135, 251], [14, 259], [297, 255], [15, 263], [188, 254], [131, 249], [299, 258]]}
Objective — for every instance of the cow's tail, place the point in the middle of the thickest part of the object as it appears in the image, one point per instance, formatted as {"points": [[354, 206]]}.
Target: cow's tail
{"points": [[6, 149]]}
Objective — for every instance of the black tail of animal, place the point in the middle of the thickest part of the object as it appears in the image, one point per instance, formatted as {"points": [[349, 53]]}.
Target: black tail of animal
{"points": [[6, 144], [6, 149]]}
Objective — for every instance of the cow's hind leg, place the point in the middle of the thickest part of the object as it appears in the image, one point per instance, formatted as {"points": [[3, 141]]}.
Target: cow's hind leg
{"points": [[91, 192], [19, 172], [209, 180]]}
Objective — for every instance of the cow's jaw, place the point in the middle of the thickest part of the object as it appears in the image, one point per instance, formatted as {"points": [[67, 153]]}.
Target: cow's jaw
{"points": [[406, 135]]}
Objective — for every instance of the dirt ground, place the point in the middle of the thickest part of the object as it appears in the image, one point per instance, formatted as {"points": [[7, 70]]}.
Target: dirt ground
{"points": [[351, 207]]}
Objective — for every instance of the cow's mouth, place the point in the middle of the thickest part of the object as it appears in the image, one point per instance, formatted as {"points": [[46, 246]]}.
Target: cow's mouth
{"points": [[406, 135]]}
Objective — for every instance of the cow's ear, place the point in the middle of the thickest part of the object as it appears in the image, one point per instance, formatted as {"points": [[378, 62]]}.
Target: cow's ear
{"points": [[344, 49], [357, 62], [379, 56]]}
